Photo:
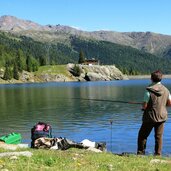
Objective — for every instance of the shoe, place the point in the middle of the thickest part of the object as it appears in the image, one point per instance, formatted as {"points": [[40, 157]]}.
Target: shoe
{"points": [[140, 152]]}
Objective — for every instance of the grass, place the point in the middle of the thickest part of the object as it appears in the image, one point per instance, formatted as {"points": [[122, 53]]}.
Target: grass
{"points": [[52, 69], [81, 160]]}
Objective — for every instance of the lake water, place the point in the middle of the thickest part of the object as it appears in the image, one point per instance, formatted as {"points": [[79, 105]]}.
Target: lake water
{"points": [[23, 105]]}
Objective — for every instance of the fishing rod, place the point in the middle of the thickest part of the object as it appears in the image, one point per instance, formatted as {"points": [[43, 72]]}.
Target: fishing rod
{"points": [[111, 122], [105, 100]]}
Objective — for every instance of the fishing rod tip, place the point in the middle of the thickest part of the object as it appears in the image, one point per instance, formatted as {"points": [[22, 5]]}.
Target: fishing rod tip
{"points": [[111, 121]]}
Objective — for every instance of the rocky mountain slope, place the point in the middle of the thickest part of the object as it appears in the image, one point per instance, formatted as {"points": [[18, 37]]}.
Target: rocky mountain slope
{"points": [[157, 44]]}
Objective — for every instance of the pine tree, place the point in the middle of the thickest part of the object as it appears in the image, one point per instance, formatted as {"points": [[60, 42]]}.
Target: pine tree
{"points": [[20, 60], [15, 71], [81, 57], [28, 64], [43, 61], [35, 65], [8, 73], [31, 64], [76, 71]]}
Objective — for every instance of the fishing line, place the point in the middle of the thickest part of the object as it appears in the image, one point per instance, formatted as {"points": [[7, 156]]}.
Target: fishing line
{"points": [[105, 100]]}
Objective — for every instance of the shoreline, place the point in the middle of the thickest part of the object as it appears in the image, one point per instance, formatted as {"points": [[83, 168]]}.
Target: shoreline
{"points": [[131, 77]]}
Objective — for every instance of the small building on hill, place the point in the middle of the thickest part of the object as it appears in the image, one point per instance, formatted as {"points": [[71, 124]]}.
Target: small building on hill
{"points": [[92, 61]]}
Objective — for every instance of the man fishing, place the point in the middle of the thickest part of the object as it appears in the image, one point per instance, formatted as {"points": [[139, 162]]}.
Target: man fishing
{"points": [[157, 97]]}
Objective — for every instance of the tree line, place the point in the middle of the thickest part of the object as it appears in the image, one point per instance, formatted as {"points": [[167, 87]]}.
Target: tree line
{"points": [[129, 60], [18, 53]]}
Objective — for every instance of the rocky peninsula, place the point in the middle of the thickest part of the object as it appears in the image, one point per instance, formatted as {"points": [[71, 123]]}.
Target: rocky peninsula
{"points": [[65, 73], [97, 72]]}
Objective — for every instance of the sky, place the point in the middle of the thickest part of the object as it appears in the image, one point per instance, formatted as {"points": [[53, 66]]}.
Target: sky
{"points": [[94, 15]]}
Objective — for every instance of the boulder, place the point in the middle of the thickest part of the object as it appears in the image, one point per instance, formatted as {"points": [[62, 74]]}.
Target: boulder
{"points": [[97, 72]]}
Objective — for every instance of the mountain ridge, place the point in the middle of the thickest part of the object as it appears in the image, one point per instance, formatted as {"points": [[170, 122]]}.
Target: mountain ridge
{"points": [[154, 43], [21, 47]]}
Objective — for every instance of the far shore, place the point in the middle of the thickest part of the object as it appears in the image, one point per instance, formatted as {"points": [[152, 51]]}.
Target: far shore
{"points": [[144, 76]]}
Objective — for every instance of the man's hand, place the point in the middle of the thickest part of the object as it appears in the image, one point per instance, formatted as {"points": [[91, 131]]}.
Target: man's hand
{"points": [[144, 106], [168, 102]]}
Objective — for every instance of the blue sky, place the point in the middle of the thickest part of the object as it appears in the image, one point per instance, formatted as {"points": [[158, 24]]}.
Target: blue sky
{"points": [[93, 15]]}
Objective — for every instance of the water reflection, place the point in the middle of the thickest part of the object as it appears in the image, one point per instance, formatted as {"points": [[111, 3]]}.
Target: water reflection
{"points": [[25, 104]]}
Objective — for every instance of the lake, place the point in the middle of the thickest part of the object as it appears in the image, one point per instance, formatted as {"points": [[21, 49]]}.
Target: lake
{"points": [[23, 105]]}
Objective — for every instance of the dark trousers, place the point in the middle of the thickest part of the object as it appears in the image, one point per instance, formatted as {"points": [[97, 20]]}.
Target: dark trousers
{"points": [[144, 132]]}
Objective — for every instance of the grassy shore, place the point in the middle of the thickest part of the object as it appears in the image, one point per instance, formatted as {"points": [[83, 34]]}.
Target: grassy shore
{"points": [[82, 160], [36, 77]]}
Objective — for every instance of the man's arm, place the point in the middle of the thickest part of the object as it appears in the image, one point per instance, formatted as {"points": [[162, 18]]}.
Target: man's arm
{"points": [[145, 100], [169, 101]]}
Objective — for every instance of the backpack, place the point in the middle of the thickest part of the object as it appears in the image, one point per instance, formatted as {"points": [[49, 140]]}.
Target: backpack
{"points": [[41, 129]]}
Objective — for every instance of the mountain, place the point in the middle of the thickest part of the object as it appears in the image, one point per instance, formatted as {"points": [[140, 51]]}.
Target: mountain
{"points": [[27, 43], [157, 44], [10, 23]]}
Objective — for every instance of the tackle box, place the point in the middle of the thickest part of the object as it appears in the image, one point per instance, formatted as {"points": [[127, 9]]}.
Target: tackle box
{"points": [[12, 138]]}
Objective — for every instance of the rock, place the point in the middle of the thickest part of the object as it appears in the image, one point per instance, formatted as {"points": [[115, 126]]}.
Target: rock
{"points": [[4, 170], [27, 76], [1, 73], [12, 146], [55, 78], [13, 158], [154, 161], [23, 145], [98, 72], [21, 153], [92, 76], [8, 146]]}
